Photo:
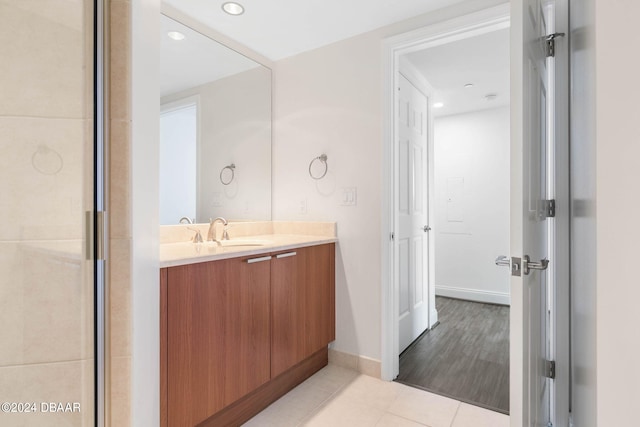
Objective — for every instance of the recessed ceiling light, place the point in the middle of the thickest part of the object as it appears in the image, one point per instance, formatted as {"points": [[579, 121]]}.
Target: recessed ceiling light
{"points": [[468, 85], [175, 35], [438, 105], [491, 97], [233, 8]]}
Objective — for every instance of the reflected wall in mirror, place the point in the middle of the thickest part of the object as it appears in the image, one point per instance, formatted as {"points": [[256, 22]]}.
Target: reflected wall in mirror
{"points": [[215, 112]]}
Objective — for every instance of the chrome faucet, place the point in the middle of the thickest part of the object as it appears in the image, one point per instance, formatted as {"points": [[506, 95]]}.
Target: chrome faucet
{"points": [[211, 235], [186, 220]]}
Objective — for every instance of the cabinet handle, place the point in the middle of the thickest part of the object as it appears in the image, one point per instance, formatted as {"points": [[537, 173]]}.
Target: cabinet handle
{"points": [[262, 258], [285, 255]]}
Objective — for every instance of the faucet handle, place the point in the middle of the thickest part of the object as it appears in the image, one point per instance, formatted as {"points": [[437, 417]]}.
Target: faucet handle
{"points": [[198, 237], [225, 231]]}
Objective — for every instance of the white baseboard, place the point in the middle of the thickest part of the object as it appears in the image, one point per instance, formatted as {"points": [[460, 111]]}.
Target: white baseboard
{"points": [[361, 364], [474, 295]]}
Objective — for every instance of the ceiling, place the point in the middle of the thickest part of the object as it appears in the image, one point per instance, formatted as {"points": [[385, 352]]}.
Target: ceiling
{"points": [[282, 28], [195, 60], [481, 60]]}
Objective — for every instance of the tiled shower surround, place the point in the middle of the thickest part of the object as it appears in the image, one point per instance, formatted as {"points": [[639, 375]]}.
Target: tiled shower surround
{"points": [[46, 295], [46, 176]]}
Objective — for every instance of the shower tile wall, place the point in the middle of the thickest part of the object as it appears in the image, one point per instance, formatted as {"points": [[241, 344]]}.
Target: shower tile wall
{"points": [[46, 296]]}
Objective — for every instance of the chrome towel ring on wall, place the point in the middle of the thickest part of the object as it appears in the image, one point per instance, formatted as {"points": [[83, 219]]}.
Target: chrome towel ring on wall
{"points": [[231, 168], [47, 161], [323, 159]]}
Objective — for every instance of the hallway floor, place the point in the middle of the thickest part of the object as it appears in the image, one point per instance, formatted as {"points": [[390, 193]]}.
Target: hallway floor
{"points": [[336, 397], [465, 357]]}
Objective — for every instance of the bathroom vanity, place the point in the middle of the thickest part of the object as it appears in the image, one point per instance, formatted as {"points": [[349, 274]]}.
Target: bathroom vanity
{"points": [[242, 325]]}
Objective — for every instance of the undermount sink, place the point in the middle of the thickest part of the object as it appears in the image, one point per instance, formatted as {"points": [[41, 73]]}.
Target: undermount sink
{"points": [[244, 242]]}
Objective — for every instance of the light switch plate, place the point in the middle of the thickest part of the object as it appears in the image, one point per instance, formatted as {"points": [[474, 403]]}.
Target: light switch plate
{"points": [[216, 200], [303, 207], [349, 196]]}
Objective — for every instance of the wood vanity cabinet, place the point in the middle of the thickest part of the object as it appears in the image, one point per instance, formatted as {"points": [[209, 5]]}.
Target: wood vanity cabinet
{"points": [[218, 336], [302, 304], [236, 334]]}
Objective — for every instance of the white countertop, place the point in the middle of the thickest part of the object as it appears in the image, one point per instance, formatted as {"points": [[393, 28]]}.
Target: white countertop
{"points": [[183, 253]]}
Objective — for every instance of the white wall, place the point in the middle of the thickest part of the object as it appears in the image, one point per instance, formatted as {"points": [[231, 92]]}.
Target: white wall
{"points": [[178, 157], [605, 291], [617, 128], [145, 287], [234, 127], [472, 205], [583, 219], [330, 100]]}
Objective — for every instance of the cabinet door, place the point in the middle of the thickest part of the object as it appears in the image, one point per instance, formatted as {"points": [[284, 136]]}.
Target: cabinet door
{"points": [[218, 336], [317, 272], [247, 326], [195, 330], [303, 304], [287, 312]]}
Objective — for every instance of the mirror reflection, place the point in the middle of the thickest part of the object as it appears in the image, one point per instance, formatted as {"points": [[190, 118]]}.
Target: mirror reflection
{"points": [[215, 130]]}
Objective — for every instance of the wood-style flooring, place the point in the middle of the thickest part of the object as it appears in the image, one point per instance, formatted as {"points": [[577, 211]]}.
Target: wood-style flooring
{"points": [[466, 356]]}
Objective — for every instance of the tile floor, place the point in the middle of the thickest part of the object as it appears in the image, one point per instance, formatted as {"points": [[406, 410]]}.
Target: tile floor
{"points": [[336, 396]]}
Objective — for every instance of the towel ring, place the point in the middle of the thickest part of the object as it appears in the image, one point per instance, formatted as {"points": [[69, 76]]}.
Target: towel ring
{"points": [[46, 160], [322, 158], [231, 167]]}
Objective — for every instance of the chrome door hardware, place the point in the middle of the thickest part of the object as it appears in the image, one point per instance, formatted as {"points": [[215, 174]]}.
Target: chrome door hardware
{"points": [[513, 262], [550, 369], [260, 259], [527, 265], [550, 44], [503, 260], [549, 208], [426, 228], [286, 255]]}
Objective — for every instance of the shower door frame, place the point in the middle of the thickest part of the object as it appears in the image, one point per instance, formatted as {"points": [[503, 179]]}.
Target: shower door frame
{"points": [[97, 224]]}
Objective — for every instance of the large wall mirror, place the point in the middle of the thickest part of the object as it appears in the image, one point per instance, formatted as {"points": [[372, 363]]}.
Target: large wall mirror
{"points": [[215, 130]]}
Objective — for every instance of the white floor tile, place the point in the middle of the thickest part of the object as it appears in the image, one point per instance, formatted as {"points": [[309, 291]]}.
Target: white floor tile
{"points": [[474, 416], [343, 412], [331, 378], [424, 407], [337, 397], [371, 391], [390, 420]]}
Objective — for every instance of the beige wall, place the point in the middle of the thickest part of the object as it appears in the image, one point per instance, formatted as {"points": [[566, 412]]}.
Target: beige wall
{"points": [[329, 100], [119, 214]]}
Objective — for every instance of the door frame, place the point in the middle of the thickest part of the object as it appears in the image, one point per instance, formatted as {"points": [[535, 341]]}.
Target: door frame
{"points": [[458, 28]]}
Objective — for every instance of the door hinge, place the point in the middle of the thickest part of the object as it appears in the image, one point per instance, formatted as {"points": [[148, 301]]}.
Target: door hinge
{"points": [[392, 235], [550, 44], [549, 208], [550, 369]]}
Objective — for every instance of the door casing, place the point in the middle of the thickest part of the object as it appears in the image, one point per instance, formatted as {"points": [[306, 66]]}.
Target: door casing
{"points": [[459, 28], [467, 26]]}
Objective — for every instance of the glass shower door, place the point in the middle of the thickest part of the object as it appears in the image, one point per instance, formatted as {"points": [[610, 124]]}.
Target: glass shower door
{"points": [[47, 276]]}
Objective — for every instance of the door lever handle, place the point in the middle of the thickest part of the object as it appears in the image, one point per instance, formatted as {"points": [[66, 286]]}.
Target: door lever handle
{"points": [[503, 260], [513, 263], [527, 265]]}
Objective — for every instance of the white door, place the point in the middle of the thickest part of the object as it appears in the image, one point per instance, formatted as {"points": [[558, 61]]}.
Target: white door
{"points": [[529, 189], [412, 240]]}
